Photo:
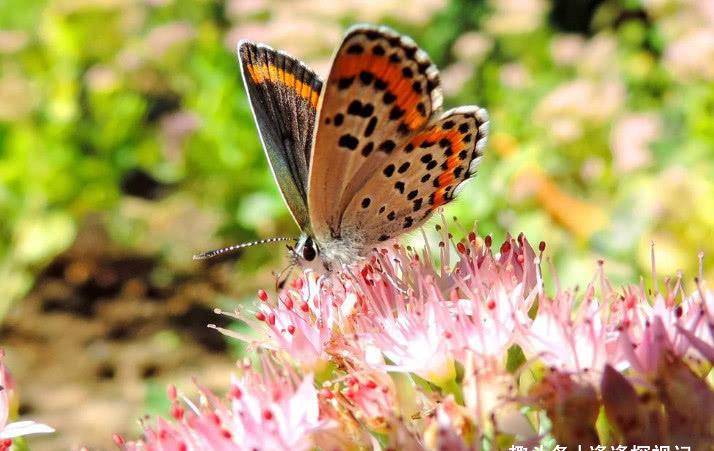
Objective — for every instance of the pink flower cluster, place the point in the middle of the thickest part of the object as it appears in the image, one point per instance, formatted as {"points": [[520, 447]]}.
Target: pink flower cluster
{"points": [[458, 346]]}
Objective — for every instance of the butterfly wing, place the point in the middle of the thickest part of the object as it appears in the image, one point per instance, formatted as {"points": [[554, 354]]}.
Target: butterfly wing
{"points": [[283, 94], [426, 171], [380, 91]]}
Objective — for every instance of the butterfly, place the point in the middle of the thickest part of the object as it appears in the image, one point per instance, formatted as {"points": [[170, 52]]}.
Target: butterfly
{"points": [[365, 156]]}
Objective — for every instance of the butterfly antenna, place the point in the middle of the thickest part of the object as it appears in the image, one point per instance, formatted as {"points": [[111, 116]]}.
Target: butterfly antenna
{"points": [[235, 247]]}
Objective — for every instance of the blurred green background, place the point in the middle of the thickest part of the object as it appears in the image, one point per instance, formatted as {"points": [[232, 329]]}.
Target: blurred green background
{"points": [[129, 117]]}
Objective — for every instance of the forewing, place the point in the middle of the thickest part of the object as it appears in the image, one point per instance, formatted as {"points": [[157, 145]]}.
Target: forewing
{"points": [[381, 89], [283, 94], [427, 171]]}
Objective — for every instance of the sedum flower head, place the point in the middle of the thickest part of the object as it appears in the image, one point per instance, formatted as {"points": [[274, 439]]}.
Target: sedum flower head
{"points": [[458, 346], [272, 409]]}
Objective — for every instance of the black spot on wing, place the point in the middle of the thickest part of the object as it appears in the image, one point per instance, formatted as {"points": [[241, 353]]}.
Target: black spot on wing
{"points": [[348, 141], [371, 125]]}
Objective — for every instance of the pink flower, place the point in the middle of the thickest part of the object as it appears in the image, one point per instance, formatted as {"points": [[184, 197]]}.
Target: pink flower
{"points": [[648, 332], [568, 336], [274, 410], [631, 138], [566, 49], [303, 321], [372, 398], [163, 38], [424, 321], [8, 431], [691, 57]]}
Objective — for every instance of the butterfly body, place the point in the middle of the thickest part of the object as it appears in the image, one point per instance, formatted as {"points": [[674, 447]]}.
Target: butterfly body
{"points": [[367, 155]]}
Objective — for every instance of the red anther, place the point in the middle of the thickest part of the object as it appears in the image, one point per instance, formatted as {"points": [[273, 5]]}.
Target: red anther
{"points": [[118, 440], [262, 295], [325, 393], [163, 434], [171, 392], [226, 434], [236, 392], [298, 284], [267, 415], [678, 311], [630, 301], [488, 240], [541, 246], [182, 446], [214, 418], [177, 411], [291, 329], [472, 237], [460, 247], [304, 307], [506, 247], [271, 318], [371, 384], [520, 258], [288, 302], [491, 304], [260, 316], [448, 335]]}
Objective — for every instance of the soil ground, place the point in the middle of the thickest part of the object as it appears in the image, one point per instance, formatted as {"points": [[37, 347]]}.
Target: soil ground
{"points": [[94, 344]]}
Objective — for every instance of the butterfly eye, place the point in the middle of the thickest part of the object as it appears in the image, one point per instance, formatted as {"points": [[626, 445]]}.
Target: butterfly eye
{"points": [[308, 251]]}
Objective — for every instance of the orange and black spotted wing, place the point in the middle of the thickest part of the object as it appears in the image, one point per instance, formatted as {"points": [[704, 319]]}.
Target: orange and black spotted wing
{"points": [[423, 173], [381, 90], [283, 94]]}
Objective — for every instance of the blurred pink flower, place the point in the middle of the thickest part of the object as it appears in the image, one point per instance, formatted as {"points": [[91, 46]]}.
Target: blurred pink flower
{"points": [[566, 49], [315, 41], [572, 105], [18, 97], [630, 139], [472, 47], [9, 431], [455, 76], [101, 78], [598, 54], [516, 16], [175, 128], [12, 41], [274, 410], [163, 38], [239, 9], [691, 57], [515, 76]]}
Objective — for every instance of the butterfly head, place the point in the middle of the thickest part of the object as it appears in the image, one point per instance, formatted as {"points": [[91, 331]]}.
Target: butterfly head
{"points": [[307, 254]]}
